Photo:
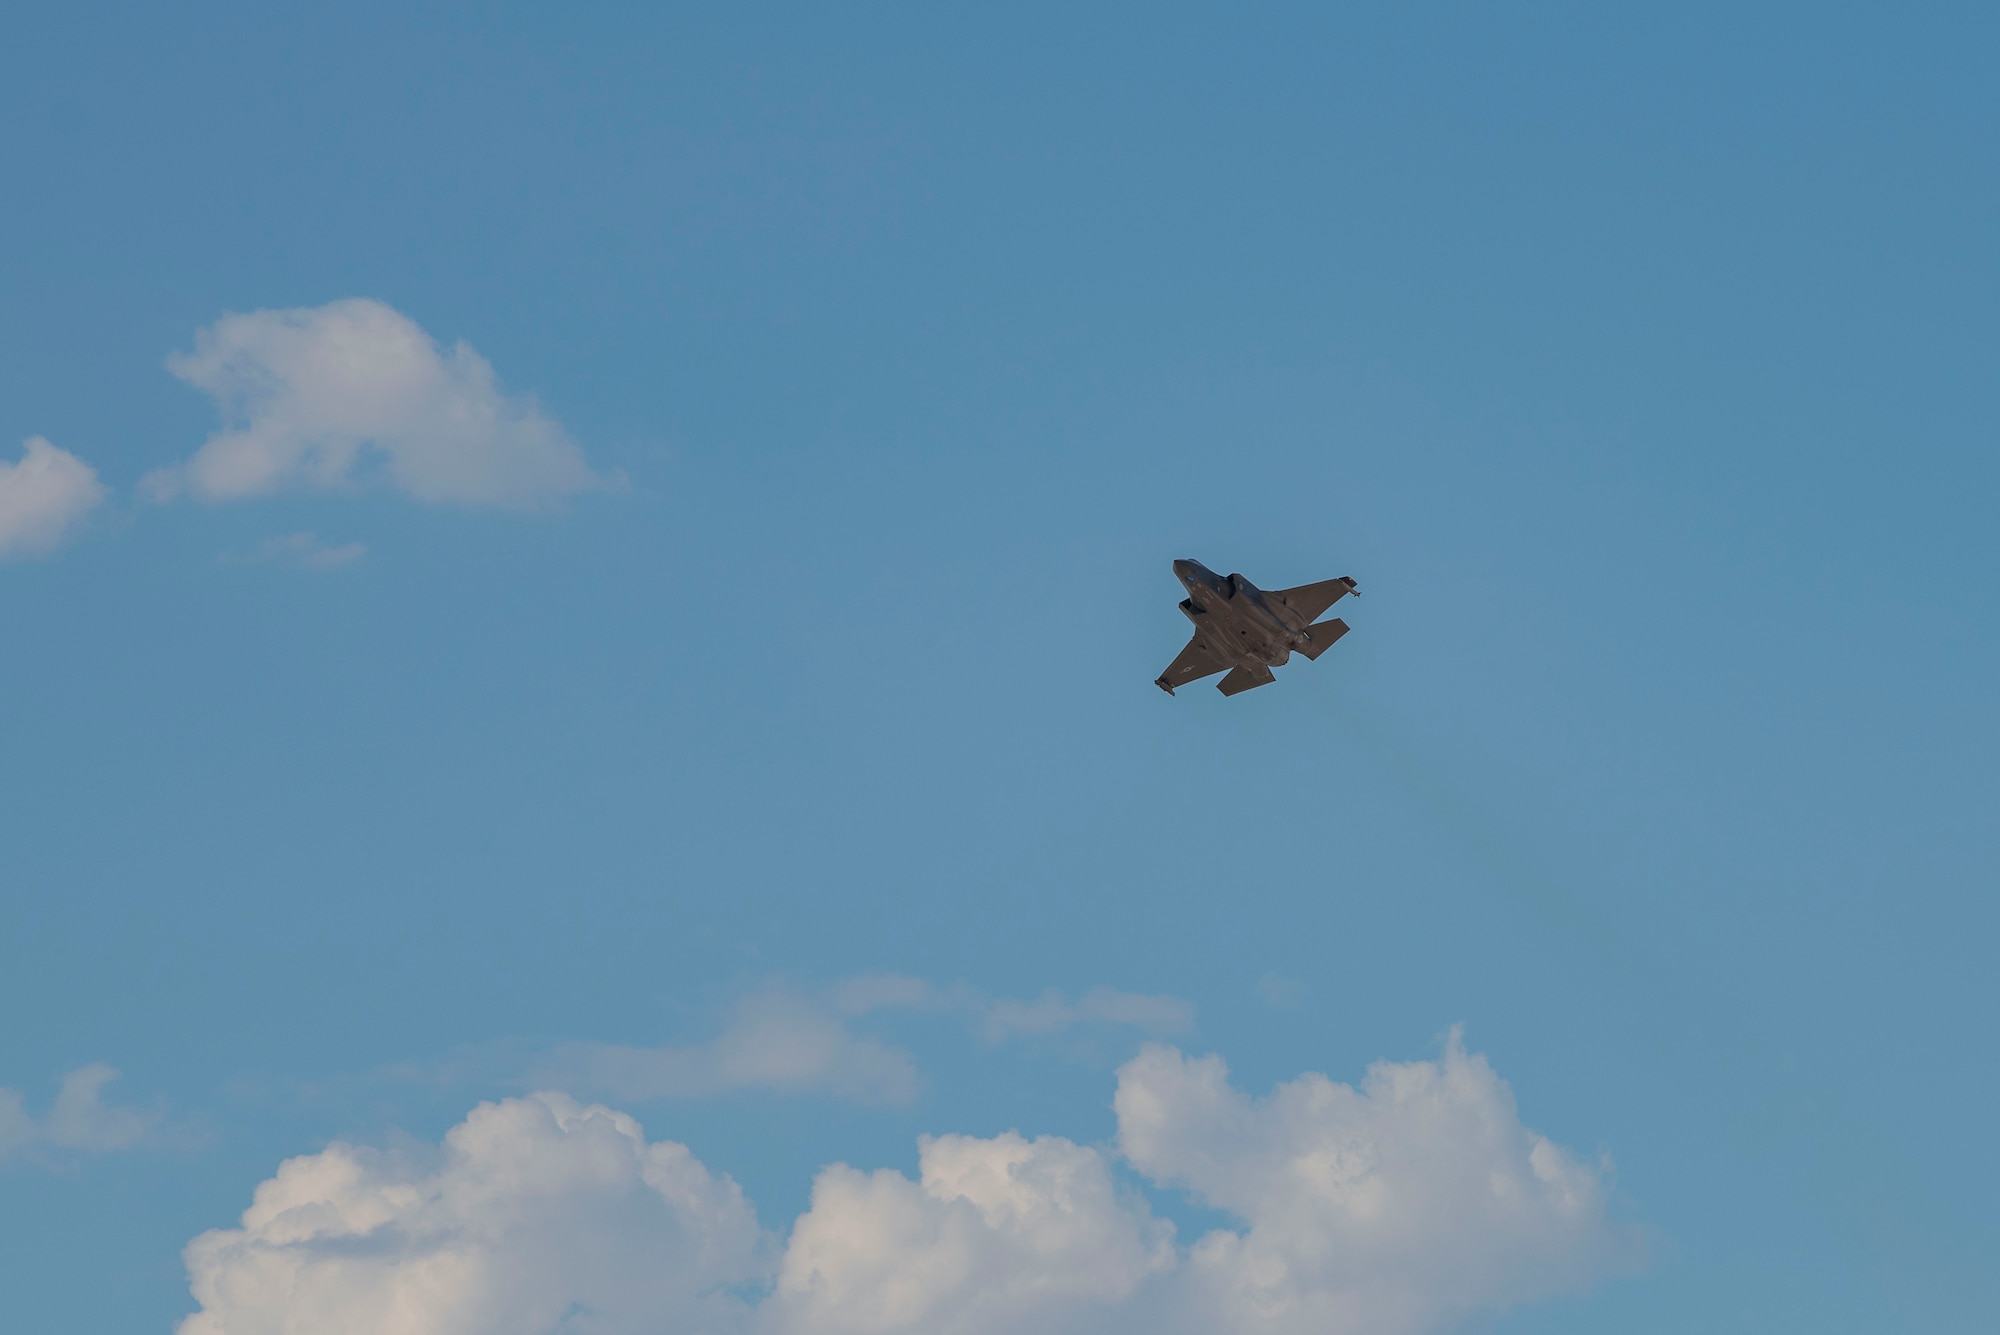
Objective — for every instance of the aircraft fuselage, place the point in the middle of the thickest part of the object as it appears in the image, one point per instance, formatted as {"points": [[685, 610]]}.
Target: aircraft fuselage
{"points": [[1244, 631], [1236, 618]]}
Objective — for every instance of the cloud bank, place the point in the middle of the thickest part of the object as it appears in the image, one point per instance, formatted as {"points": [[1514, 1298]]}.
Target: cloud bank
{"points": [[79, 1119], [337, 396], [42, 496], [1395, 1208]]}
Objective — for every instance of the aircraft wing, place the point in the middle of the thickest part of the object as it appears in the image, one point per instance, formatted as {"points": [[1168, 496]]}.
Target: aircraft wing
{"points": [[1309, 600], [1245, 679], [1194, 662]]}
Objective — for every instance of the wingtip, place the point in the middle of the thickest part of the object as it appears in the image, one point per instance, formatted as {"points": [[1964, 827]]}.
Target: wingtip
{"points": [[1161, 682]]}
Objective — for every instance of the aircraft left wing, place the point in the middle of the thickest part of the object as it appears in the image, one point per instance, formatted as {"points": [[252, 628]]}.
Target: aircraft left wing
{"points": [[1194, 662]]}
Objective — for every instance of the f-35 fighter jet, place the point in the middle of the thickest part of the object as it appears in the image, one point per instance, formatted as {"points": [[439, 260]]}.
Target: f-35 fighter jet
{"points": [[1240, 627]]}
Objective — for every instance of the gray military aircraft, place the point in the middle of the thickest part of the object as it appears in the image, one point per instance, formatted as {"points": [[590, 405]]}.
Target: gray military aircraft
{"points": [[1240, 627]]}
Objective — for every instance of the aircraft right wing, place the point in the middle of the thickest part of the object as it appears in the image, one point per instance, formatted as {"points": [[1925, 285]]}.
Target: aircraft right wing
{"points": [[1244, 679], [1309, 600], [1194, 662]]}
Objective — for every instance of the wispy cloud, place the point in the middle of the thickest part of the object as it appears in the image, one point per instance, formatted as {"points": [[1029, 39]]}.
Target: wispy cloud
{"points": [[1001, 1018], [773, 1041], [784, 1040], [79, 1119], [43, 496], [1280, 992], [1052, 1011], [307, 550], [339, 396]]}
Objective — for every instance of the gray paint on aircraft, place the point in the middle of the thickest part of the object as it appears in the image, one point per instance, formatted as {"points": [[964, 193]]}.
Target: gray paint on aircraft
{"points": [[1241, 629]]}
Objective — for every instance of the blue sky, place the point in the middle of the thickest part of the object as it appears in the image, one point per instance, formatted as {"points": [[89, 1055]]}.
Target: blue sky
{"points": [[1639, 366]]}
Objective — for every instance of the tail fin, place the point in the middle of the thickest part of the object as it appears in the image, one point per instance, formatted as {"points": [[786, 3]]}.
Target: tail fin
{"points": [[1323, 635]]}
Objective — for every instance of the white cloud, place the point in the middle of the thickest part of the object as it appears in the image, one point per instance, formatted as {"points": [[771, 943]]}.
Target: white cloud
{"points": [[998, 1235], [543, 1216], [307, 550], [332, 397], [79, 1119], [1397, 1208], [42, 495]]}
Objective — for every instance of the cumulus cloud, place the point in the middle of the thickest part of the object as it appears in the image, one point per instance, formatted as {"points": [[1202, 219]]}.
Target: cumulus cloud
{"points": [[42, 496], [997, 1235], [542, 1216], [1395, 1208], [333, 397], [79, 1119]]}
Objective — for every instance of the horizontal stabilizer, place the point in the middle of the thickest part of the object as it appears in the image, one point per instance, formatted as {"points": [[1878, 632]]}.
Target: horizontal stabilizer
{"points": [[1244, 679], [1309, 600], [1323, 635]]}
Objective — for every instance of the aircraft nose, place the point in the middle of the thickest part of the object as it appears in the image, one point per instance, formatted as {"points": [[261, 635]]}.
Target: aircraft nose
{"points": [[1186, 569]]}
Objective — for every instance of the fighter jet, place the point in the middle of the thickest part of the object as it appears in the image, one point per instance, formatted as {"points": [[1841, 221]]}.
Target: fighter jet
{"points": [[1240, 627]]}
